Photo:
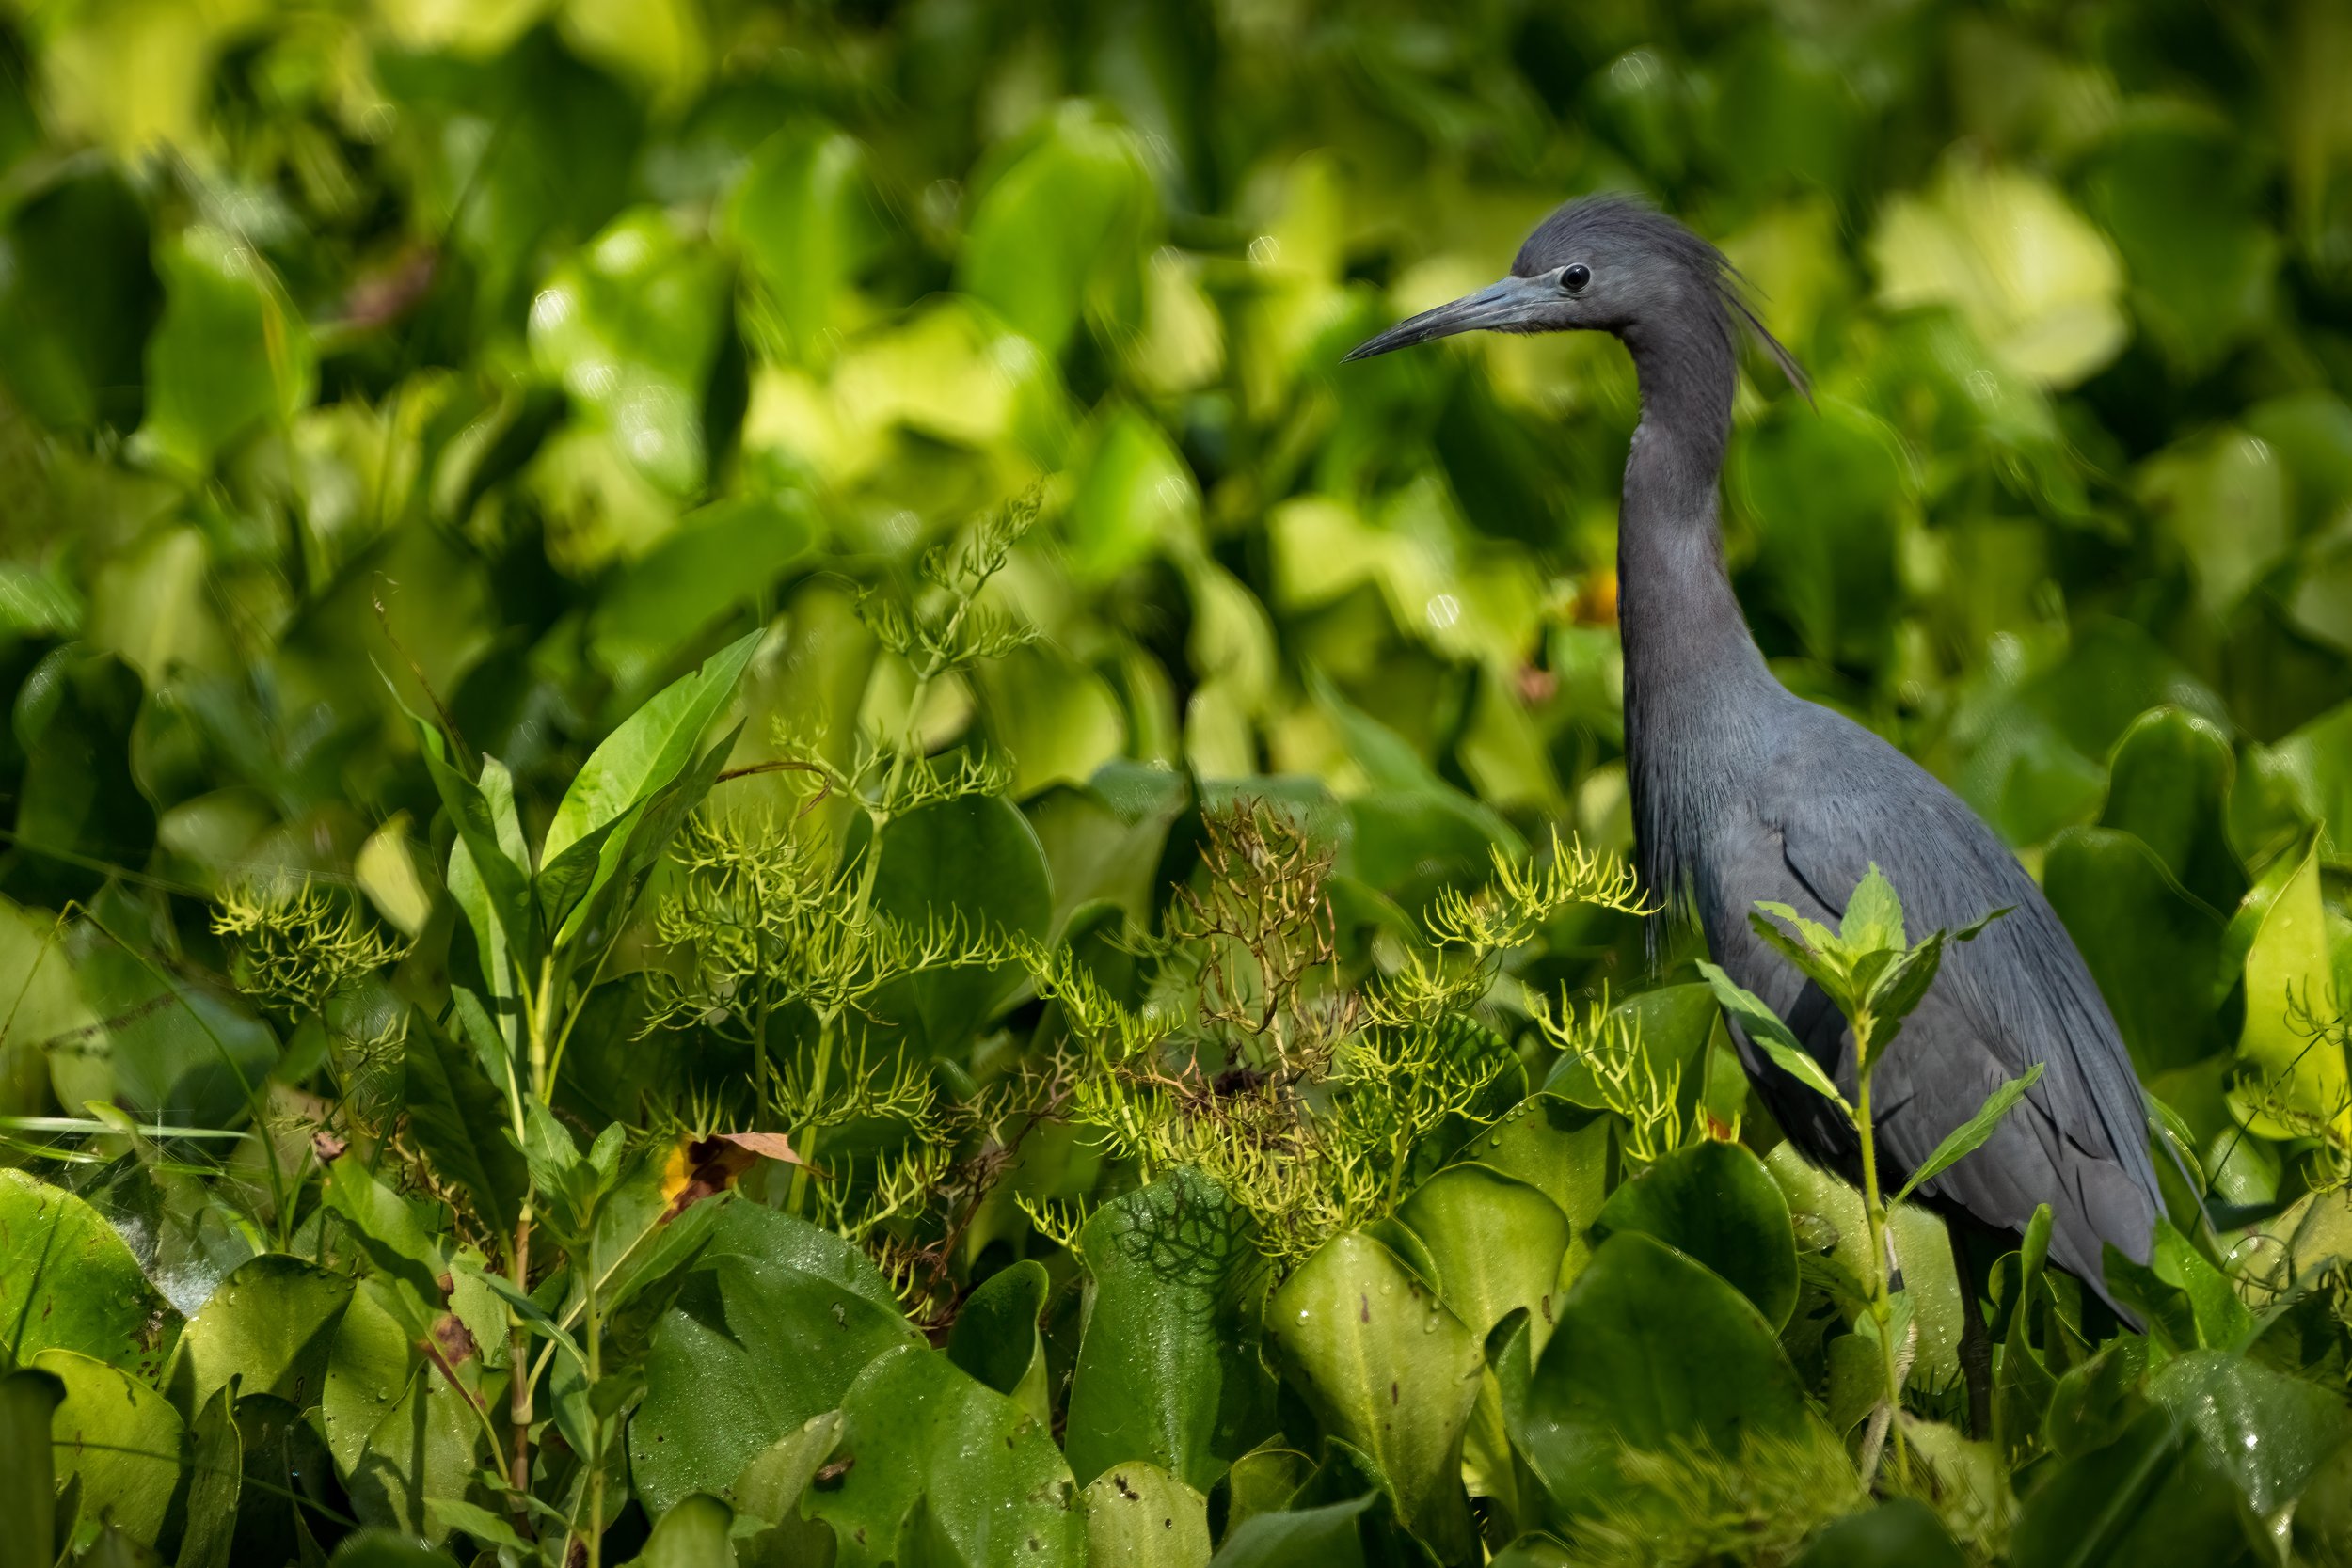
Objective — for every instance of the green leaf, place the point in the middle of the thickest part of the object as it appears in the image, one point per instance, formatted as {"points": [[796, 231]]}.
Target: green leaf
{"points": [[974, 857], [373, 1547], [1563, 1152], [399, 1432], [634, 326], [1168, 1370], [28, 1399], [71, 1284], [2155, 1498], [1141, 1516], [1327, 1535], [461, 1120], [727, 554], [490, 866], [804, 221], [1655, 1350], [2155, 951], [215, 1472], [692, 1534], [270, 1323], [1387, 1370], [1873, 919], [1770, 1035], [1902, 1533], [2169, 786], [526, 1306], [2091, 1404], [231, 355], [1061, 231], [1496, 1244], [1969, 1135], [772, 1488], [2269, 1430], [2187, 1302], [1671, 1023], [78, 296], [996, 1336], [770, 1325], [943, 1467], [120, 1438], [1715, 1202], [2290, 974], [652, 747], [391, 1237]]}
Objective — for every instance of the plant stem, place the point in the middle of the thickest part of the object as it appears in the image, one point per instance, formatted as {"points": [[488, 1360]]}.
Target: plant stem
{"points": [[1881, 1303], [519, 1411], [595, 1421]]}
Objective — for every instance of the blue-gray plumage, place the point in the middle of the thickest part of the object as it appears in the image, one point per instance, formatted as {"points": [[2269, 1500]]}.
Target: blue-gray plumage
{"points": [[1742, 792]]}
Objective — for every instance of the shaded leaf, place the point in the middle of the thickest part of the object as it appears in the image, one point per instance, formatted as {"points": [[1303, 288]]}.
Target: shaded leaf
{"points": [[1715, 1202]]}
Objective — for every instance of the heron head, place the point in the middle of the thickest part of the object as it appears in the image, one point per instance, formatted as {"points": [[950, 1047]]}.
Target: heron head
{"points": [[1603, 263]]}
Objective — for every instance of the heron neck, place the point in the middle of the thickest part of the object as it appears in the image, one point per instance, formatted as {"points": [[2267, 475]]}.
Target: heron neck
{"points": [[1685, 638]]}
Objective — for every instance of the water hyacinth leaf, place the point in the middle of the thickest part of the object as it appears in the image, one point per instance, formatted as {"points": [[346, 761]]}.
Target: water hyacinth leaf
{"points": [[1261, 1482], [973, 860], [2169, 786], [392, 1236], [2093, 1402], [942, 1466], [271, 1325], [1388, 1369], [770, 1324], [2269, 1431], [1902, 1533], [996, 1336], [1716, 1202], [416, 1440], [691, 1534], [1495, 1242], [722, 555], [2187, 1302], [633, 327], [1563, 1151], [2155, 949], [2289, 976], [1969, 1135], [231, 354], [121, 1439], [1765, 1029], [1329, 1535], [2156, 1495], [375, 1547], [1141, 1516], [71, 1284], [1654, 1350], [802, 221], [1168, 1370], [1061, 231], [78, 296], [215, 1472], [772, 1488]]}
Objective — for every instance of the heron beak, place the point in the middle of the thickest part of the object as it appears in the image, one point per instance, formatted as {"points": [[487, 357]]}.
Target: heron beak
{"points": [[1498, 307]]}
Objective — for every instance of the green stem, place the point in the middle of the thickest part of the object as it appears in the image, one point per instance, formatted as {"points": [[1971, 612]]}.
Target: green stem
{"points": [[1882, 1302]]}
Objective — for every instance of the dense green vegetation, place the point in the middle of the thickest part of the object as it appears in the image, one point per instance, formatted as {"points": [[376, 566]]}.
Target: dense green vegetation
{"points": [[749, 817]]}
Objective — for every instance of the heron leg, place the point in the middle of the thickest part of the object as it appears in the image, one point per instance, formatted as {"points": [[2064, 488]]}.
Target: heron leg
{"points": [[1975, 1345]]}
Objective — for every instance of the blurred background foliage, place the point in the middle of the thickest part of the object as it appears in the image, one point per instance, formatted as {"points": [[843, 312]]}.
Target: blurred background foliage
{"points": [[508, 356]]}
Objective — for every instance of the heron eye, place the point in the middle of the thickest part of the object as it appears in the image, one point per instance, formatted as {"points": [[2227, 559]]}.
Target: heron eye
{"points": [[1575, 276]]}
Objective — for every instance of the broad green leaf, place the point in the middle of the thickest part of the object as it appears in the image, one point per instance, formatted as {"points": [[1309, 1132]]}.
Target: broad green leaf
{"points": [[2156, 1497], [1829, 493], [2269, 1430], [1969, 1135], [393, 1238], [1715, 1202], [231, 355], [78, 296], [2289, 976], [1902, 1533], [630, 850], [400, 1432], [372, 1548], [1061, 232], [461, 1120], [1495, 1242], [28, 1398], [1388, 1369], [633, 324], [215, 1472], [693, 1534], [1770, 1034], [71, 1284], [490, 868], [939, 1459], [270, 1323], [1563, 1152], [2094, 1402], [1167, 1369], [772, 1488], [770, 1325], [2169, 786], [2155, 951], [727, 554], [2187, 1302], [1655, 1350], [1141, 1516], [652, 747], [120, 1438], [974, 859], [996, 1336], [1328, 1535], [803, 221]]}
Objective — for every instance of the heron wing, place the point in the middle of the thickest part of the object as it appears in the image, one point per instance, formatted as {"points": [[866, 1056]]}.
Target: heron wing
{"points": [[2019, 995]]}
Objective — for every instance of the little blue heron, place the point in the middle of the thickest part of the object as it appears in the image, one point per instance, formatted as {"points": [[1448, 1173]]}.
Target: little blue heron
{"points": [[1742, 792]]}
